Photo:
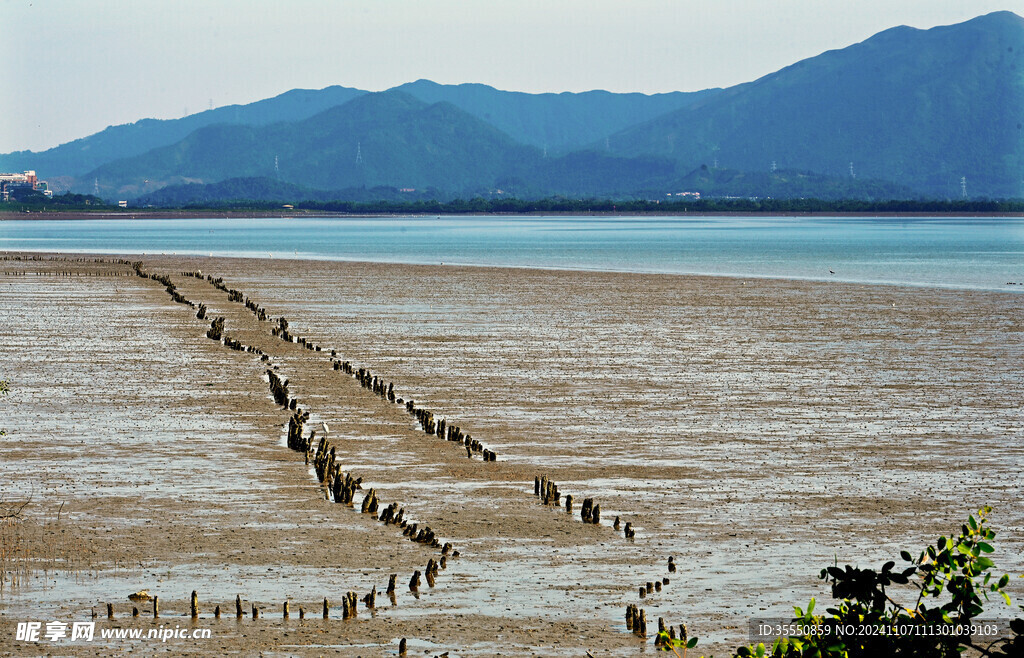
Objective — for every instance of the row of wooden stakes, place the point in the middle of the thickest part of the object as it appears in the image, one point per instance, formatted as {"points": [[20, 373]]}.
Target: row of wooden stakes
{"points": [[61, 273], [590, 512], [233, 295], [63, 259], [342, 486], [166, 281]]}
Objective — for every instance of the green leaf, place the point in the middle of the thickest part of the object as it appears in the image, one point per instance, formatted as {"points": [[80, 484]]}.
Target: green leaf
{"points": [[985, 548], [691, 643], [760, 651], [1004, 580], [971, 522], [984, 563], [906, 556]]}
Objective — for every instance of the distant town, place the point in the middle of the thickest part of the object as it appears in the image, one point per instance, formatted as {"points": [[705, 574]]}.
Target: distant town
{"points": [[26, 181]]}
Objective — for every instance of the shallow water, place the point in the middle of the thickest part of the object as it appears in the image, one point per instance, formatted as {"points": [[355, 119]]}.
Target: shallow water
{"points": [[945, 252]]}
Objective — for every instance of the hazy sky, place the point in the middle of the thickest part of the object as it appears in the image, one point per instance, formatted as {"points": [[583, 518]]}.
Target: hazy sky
{"points": [[74, 67]]}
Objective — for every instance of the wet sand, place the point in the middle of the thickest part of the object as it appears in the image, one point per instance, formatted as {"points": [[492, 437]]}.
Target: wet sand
{"points": [[753, 429]]}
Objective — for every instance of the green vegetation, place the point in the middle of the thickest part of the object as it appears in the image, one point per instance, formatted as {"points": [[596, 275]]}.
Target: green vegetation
{"points": [[944, 588], [36, 201], [399, 204]]}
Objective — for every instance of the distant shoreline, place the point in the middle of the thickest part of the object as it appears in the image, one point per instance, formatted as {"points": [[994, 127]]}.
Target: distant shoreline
{"points": [[259, 214]]}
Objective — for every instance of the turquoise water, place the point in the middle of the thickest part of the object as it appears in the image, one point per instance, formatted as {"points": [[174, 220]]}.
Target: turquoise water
{"points": [[957, 253]]}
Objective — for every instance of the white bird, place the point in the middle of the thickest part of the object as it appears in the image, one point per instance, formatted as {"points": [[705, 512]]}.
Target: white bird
{"points": [[326, 429]]}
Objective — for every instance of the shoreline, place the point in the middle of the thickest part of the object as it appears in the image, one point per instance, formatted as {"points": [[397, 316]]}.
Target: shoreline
{"points": [[1007, 288], [238, 214]]}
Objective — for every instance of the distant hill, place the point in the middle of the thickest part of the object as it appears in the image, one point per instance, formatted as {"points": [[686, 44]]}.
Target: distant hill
{"points": [[922, 108], [907, 112], [387, 138], [124, 141], [559, 122]]}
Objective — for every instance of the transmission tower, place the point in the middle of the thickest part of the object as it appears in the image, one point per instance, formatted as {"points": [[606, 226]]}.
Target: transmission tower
{"points": [[277, 170], [96, 186], [963, 187], [359, 153], [773, 166], [852, 174]]}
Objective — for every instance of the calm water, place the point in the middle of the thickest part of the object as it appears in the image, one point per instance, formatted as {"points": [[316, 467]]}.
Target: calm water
{"points": [[959, 253]]}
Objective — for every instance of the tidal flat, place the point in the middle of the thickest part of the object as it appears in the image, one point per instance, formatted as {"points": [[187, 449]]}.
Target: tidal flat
{"points": [[755, 430]]}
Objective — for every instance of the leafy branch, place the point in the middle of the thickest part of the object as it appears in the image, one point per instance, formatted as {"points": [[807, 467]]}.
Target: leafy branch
{"points": [[953, 579]]}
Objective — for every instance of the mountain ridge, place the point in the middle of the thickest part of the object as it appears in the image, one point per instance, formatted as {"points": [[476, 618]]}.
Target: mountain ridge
{"points": [[935, 112], [852, 105]]}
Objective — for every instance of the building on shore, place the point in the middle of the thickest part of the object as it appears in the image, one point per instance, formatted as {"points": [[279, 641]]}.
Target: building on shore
{"points": [[26, 179]]}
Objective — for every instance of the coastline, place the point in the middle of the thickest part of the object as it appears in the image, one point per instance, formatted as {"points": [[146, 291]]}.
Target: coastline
{"points": [[235, 214], [662, 397]]}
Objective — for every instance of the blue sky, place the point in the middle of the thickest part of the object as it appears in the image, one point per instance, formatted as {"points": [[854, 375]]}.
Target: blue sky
{"points": [[75, 67]]}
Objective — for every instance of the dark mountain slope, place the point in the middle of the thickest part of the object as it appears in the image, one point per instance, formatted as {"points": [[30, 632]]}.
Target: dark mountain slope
{"points": [[558, 121], [921, 108], [387, 138], [118, 142]]}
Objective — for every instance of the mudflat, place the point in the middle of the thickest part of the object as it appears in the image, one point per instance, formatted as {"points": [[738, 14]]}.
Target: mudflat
{"points": [[753, 430]]}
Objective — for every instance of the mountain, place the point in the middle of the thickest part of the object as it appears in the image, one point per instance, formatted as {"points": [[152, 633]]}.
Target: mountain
{"points": [[555, 121], [558, 122], [907, 112], [919, 107], [386, 138], [124, 141]]}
